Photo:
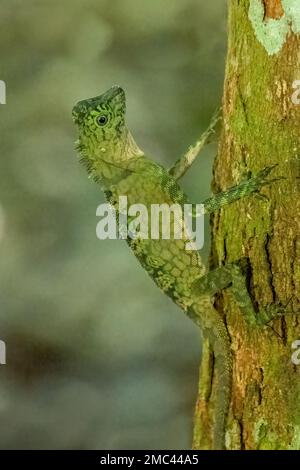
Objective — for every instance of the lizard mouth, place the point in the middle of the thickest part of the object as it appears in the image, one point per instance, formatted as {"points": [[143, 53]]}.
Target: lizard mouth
{"points": [[83, 107]]}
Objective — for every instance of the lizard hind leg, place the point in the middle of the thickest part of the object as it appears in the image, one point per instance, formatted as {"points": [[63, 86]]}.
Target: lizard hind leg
{"points": [[234, 277], [204, 396], [241, 295], [204, 314]]}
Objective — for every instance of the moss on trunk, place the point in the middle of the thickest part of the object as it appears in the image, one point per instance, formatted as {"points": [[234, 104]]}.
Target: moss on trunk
{"points": [[261, 127]]}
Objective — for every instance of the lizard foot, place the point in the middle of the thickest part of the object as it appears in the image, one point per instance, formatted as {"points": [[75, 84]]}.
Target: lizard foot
{"points": [[271, 312], [261, 178]]}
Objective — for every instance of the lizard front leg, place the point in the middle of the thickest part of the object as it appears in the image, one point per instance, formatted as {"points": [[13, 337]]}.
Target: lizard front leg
{"points": [[182, 165], [244, 189]]}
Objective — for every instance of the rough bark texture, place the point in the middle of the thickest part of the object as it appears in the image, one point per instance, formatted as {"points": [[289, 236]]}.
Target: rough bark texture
{"points": [[260, 128]]}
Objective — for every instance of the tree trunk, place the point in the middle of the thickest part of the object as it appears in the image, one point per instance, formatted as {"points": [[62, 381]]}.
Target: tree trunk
{"points": [[261, 127]]}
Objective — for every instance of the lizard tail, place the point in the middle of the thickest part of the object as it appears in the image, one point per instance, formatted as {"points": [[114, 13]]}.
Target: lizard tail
{"points": [[214, 330]]}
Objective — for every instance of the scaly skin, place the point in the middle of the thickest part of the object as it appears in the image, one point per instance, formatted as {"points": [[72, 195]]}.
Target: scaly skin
{"points": [[114, 160]]}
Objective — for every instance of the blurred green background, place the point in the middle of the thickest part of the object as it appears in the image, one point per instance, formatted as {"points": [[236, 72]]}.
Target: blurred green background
{"points": [[97, 356]]}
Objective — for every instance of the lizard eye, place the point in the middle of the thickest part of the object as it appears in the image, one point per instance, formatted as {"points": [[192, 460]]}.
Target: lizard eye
{"points": [[102, 120]]}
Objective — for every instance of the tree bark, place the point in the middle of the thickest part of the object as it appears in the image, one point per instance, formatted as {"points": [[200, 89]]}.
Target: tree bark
{"points": [[261, 127]]}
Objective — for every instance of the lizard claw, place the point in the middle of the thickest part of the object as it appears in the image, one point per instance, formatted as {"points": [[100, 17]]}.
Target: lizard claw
{"points": [[266, 171], [271, 312], [217, 116], [262, 197], [263, 174], [261, 179]]}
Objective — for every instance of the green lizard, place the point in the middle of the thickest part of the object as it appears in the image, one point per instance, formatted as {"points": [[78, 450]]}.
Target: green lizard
{"points": [[113, 159]]}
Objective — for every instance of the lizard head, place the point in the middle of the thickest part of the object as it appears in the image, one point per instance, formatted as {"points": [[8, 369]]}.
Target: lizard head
{"points": [[101, 121], [104, 140]]}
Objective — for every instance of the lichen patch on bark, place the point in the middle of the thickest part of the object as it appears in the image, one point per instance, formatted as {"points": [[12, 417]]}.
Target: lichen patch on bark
{"points": [[273, 20]]}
